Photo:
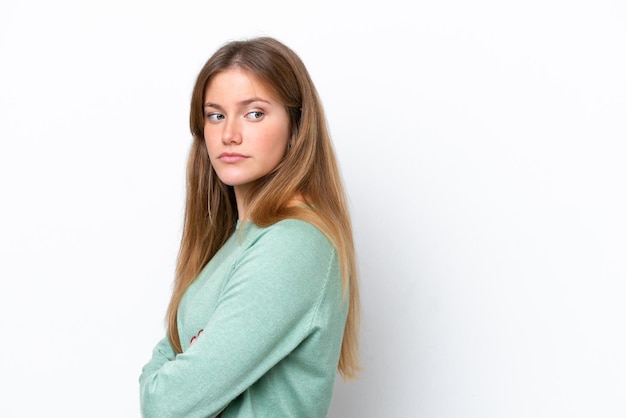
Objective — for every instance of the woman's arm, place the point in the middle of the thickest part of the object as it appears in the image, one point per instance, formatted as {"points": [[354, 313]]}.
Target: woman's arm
{"points": [[264, 312]]}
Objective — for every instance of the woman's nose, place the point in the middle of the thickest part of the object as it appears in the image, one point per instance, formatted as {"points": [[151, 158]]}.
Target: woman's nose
{"points": [[231, 133]]}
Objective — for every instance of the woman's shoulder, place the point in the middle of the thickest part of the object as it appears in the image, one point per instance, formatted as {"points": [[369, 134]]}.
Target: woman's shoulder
{"points": [[295, 225], [293, 234]]}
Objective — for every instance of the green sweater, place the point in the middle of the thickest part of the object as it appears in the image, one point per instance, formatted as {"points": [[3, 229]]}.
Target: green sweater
{"points": [[266, 316]]}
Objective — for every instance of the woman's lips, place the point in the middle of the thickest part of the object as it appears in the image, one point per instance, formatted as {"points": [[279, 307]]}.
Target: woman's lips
{"points": [[231, 158]]}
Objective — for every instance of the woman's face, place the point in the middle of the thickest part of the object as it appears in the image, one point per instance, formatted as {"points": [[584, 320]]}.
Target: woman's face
{"points": [[246, 129]]}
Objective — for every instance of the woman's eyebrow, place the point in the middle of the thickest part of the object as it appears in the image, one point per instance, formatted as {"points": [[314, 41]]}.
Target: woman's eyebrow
{"points": [[243, 103]]}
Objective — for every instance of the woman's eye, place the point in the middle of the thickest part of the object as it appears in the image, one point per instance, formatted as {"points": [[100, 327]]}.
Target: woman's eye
{"points": [[255, 115], [214, 117]]}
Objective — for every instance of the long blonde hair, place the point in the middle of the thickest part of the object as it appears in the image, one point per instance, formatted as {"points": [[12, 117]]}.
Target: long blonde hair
{"points": [[309, 169]]}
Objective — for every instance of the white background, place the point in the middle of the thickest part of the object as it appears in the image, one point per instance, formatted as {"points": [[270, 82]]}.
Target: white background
{"points": [[482, 146]]}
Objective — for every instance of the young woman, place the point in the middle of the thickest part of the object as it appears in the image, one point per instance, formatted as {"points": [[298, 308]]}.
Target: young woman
{"points": [[265, 305]]}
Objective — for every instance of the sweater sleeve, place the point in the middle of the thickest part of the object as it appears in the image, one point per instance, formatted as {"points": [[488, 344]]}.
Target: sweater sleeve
{"points": [[161, 354], [265, 311]]}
